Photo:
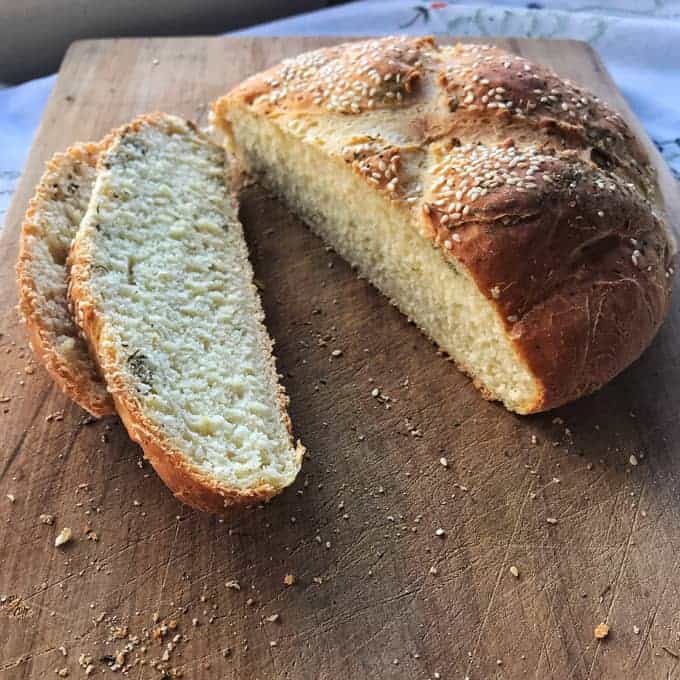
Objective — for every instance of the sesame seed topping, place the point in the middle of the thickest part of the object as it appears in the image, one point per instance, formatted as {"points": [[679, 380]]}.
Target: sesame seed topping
{"points": [[350, 79]]}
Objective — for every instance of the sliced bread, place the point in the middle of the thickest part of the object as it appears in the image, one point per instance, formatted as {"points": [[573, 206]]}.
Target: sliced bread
{"points": [[49, 226], [508, 212], [163, 289]]}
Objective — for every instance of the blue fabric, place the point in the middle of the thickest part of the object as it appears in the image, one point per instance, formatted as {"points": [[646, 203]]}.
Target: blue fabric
{"points": [[639, 42]]}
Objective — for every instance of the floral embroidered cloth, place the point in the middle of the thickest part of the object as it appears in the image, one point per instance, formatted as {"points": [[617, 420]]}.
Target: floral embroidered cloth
{"points": [[639, 40]]}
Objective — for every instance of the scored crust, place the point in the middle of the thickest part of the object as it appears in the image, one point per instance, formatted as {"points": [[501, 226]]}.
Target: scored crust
{"points": [[50, 223], [187, 481], [534, 186]]}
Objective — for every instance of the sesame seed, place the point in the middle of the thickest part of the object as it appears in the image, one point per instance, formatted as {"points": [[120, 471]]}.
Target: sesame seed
{"points": [[64, 536]]}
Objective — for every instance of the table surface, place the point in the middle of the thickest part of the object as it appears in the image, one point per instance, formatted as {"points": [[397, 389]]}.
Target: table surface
{"points": [[376, 593]]}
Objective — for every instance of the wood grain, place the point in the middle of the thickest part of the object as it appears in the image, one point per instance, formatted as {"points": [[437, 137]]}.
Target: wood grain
{"points": [[357, 530]]}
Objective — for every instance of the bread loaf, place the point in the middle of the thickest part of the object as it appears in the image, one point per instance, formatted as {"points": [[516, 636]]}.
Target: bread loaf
{"points": [[162, 287], [508, 212], [49, 226]]}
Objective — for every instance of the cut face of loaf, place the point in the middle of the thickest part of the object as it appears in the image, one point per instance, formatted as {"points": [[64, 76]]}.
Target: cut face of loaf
{"points": [[49, 226], [507, 212], [162, 286]]}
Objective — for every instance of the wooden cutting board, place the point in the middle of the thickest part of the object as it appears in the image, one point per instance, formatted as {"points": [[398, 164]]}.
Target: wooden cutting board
{"points": [[376, 594]]}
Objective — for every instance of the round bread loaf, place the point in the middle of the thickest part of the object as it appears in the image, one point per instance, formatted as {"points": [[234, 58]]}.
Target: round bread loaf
{"points": [[508, 212]]}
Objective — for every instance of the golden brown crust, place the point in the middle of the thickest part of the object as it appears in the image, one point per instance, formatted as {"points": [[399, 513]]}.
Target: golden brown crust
{"points": [[383, 73], [42, 276], [188, 483], [534, 186]]}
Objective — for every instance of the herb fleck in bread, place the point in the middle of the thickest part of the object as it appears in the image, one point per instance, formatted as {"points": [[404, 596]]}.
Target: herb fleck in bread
{"points": [[49, 226], [508, 212], [162, 287]]}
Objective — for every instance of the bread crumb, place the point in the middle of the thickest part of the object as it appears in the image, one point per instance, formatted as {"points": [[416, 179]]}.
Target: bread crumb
{"points": [[289, 579], [47, 519], [233, 585], [444, 462], [636, 630], [273, 618], [375, 392], [65, 535], [633, 459], [11, 497], [551, 520], [601, 631], [336, 353], [434, 571], [514, 571], [440, 532], [121, 632]]}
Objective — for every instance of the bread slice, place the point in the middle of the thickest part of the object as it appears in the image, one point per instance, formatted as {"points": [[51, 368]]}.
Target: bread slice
{"points": [[163, 289], [506, 211], [49, 226]]}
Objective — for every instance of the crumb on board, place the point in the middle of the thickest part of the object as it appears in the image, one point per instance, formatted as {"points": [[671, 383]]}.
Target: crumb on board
{"points": [[289, 580], [64, 536], [601, 631]]}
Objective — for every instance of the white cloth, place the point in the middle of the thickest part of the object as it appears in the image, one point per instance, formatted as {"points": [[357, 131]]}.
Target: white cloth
{"points": [[639, 41]]}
